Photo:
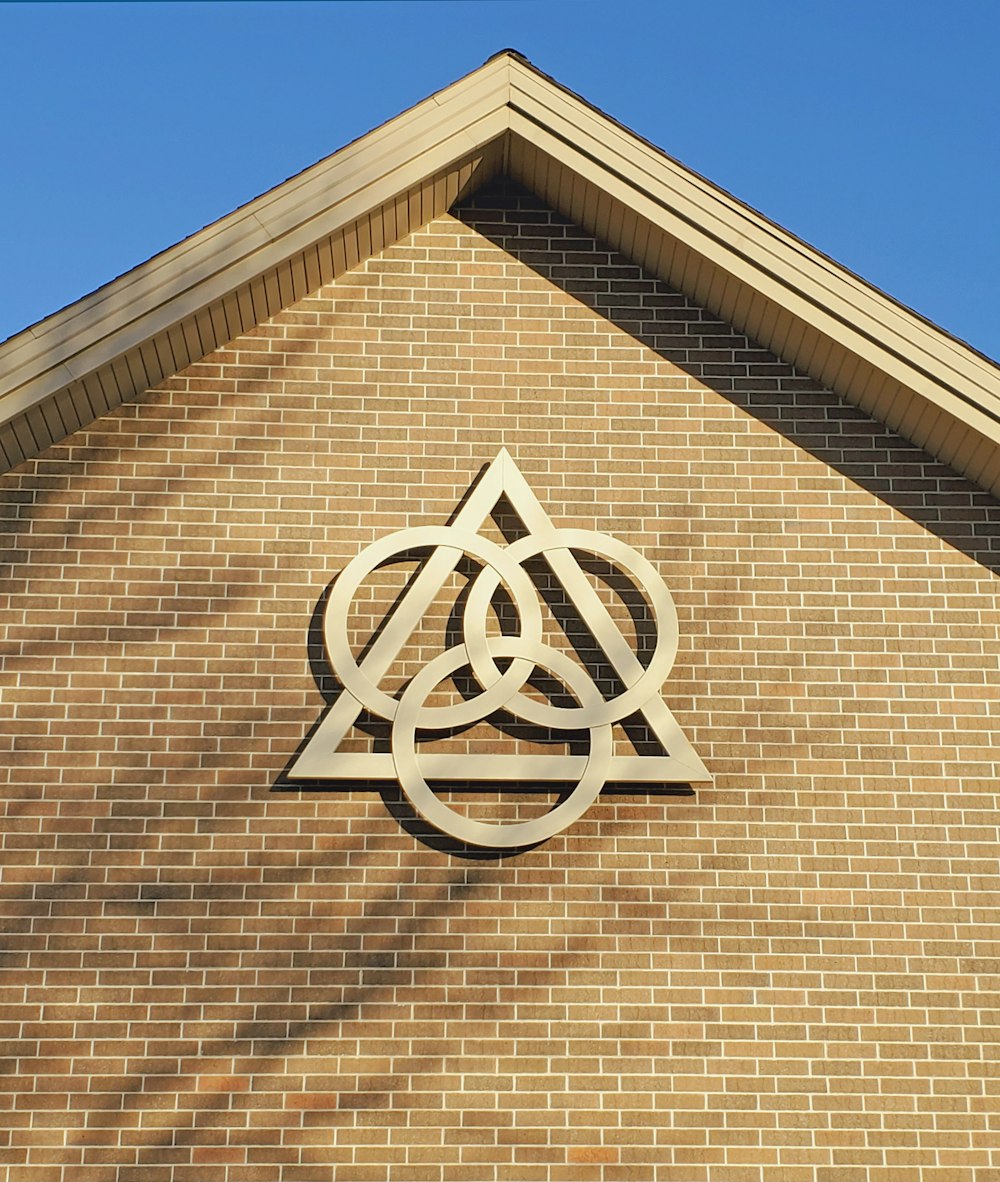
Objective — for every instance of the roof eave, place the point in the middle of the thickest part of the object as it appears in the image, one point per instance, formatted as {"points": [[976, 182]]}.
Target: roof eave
{"points": [[808, 310], [191, 298]]}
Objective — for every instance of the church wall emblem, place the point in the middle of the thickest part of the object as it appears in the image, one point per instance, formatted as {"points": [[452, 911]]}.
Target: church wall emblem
{"points": [[496, 672]]}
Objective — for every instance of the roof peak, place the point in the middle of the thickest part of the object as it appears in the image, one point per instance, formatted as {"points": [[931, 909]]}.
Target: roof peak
{"points": [[506, 117], [508, 52]]}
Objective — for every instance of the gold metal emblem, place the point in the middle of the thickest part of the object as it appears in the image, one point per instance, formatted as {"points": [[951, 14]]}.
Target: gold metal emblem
{"points": [[501, 688]]}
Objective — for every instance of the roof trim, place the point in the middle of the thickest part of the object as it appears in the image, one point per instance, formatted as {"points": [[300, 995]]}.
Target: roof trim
{"points": [[732, 255], [173, 284], [849, 336]]}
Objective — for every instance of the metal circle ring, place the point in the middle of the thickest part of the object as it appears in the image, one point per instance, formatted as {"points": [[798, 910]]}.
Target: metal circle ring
{"points": [[498, 688], [459, 826], [600, 710]]}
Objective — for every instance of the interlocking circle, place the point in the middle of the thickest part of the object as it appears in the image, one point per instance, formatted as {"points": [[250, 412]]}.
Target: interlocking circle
{"points": [[433, 809], [395, 546], [523, 654], [638, 690]]}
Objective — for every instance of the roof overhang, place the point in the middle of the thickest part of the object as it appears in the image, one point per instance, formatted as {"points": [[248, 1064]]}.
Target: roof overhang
{"points": [[505, 117]]}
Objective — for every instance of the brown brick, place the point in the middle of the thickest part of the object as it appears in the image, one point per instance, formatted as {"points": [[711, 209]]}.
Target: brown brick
{"points": [[791, 976]]}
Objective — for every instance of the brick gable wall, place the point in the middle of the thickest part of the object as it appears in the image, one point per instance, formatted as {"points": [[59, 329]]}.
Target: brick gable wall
{"points": [[790, 976]]}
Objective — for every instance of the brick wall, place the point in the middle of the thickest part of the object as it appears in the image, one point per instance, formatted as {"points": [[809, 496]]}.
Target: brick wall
{"points": [[207, 973]]}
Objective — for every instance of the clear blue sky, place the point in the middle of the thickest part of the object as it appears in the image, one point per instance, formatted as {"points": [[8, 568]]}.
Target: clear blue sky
{"points": [[869, 128]]}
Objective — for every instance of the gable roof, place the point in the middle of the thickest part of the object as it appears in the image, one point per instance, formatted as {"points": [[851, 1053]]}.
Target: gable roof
{"points": [[505, 117]]}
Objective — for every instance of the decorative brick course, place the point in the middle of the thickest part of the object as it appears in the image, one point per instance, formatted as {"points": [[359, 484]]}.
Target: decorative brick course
{"points": [[791, 977]]}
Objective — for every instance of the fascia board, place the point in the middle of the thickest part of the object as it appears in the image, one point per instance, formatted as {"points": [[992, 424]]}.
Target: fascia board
{"points": [[694, 197], [459, 102], [264, 233], [703, 213], [770, 287], [408, 145]]}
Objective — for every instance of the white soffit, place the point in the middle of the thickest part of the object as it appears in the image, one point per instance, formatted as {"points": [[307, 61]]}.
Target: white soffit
{"points": [[507, 116], [240, 270]]}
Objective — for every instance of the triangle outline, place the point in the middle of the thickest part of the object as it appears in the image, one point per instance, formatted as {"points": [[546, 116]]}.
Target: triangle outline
{"points": [[320, 758]]}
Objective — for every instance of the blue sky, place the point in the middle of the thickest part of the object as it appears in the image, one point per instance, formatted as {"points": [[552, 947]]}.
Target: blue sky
{"points": [[870, 129]]}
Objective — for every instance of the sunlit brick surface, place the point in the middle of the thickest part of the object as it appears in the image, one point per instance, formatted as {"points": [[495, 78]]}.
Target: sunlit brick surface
{"points": [[790, 977]]}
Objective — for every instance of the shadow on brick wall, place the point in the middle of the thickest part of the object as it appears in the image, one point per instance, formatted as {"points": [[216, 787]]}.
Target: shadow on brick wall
{"points": [[815, 419]]}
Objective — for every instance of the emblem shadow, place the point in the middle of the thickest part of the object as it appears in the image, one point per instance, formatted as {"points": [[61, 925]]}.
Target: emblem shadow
{"points": [[586, 648]]}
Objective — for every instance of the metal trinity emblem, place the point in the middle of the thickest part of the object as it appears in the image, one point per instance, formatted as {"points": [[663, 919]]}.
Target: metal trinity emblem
{"points": [[498, 674]]}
